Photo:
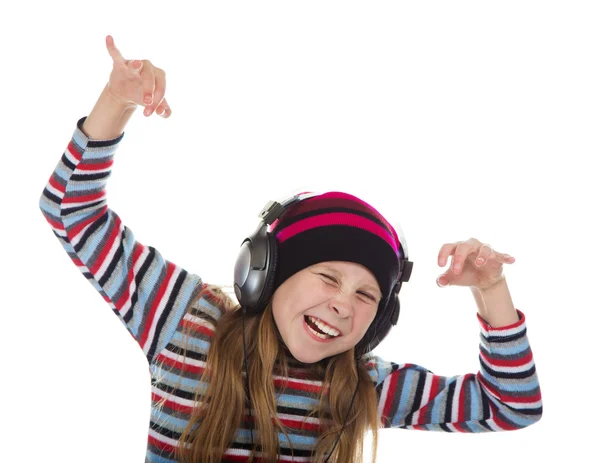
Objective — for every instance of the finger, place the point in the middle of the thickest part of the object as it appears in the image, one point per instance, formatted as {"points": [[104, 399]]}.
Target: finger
{"points": [[163, 109], [485, 253], [461, 253], [113, 51], [446, 251], [148, 80], [508, 258], [160, 87]]}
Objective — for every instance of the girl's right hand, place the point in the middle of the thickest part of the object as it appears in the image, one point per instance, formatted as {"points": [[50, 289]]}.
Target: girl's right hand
{"points": [[137, 82]]}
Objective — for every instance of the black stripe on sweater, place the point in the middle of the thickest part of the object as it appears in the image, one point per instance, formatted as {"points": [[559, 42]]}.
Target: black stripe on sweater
{"points": [[165, 314], [485, 425], [529, 411], [485, 404], [189, 354], [55, 199], [510, 338], [113, 263], [103, 143], [71, 210], [500, 374], [138, 278], [449, 399], [163, 431], [65, 160], [88, 177], [417, 398], [92, 228]]}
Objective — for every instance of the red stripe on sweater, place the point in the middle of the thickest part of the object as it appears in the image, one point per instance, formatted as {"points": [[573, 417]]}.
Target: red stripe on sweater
{"points": [[393, 385], [162, 446], [71, 148], [508, 362], [77, 228], [107, 246], [497, 418], [197, 328], [296, 423], [54, 224], [98, 166], [171, 404], [185, 367], [155, 303], [56, 185]]}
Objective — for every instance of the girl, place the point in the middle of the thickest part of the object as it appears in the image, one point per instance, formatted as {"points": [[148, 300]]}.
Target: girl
{"points": [[288, 373]]}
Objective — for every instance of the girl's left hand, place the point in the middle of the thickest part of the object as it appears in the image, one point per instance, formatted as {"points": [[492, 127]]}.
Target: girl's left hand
{"points": [[470, 272]]}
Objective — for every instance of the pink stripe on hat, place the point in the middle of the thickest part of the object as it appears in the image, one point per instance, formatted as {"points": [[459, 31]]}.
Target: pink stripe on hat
{"points": [[337, 218]]}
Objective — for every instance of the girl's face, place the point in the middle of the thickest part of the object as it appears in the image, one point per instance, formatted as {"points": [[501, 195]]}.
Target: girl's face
{"points": [[342, 295]]}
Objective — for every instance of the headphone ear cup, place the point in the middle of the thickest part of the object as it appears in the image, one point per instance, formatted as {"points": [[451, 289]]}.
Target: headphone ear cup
{"points": [[271, 270], [395, 309]]}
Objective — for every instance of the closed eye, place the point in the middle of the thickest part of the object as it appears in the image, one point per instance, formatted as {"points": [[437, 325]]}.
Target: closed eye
{"points": [[360, 292]]}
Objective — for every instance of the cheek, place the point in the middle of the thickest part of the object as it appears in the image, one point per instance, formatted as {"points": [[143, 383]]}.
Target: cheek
{"points": [[364, 320]]}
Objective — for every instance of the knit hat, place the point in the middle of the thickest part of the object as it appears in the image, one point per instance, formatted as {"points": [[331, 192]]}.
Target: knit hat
{"points": [[337, 226]]}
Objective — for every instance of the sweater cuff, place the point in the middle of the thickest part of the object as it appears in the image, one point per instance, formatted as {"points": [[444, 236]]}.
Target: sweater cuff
{"points": [[488, 330], [83, 140]]}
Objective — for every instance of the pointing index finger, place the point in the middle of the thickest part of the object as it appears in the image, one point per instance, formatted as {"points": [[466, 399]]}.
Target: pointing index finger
{"points": [[112, 50]]}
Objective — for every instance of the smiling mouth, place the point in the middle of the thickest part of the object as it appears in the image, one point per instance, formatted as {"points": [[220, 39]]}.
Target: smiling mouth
{"points": [[317, 331]]}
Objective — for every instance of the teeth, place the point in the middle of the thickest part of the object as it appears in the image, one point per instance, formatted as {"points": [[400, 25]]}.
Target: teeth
{"points": [[322, 336], [332, 331]]}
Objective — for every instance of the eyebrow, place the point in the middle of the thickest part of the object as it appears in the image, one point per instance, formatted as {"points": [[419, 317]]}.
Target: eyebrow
{"points": [[338, 273]]}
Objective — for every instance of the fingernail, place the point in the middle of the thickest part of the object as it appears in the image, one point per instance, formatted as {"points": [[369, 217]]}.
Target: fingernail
{"points": [[439, 283]]}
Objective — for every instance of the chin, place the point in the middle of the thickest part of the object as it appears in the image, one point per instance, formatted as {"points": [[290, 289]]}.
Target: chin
{"points": [[305, 358]]}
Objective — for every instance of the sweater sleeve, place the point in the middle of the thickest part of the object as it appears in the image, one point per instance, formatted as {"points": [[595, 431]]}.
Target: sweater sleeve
{"points": [[504, 395], [148, 293]]}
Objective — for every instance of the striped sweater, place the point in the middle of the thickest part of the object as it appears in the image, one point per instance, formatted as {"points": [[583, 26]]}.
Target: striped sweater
{"points": [[150, 296]]}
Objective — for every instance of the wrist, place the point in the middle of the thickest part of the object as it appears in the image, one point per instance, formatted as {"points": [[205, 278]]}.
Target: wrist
{"points": [[495, 304], [108, 118]]}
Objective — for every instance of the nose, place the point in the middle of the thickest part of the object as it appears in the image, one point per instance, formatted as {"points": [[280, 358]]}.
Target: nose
{"points": [[342, 305]]}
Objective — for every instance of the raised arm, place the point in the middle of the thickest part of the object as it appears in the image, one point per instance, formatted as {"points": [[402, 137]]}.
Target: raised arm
{"points": [[147, 292], [504, 395]]}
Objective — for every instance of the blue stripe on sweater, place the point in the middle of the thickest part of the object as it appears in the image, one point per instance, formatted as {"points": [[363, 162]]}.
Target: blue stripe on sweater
{"points": [[474, 392], [291, 400], [507, 350], [154, 458], [402, 406], [518, 419], [198, 344]]}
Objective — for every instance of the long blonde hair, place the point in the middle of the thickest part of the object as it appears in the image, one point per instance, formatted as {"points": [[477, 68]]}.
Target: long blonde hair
{"points": [[212, 426]]}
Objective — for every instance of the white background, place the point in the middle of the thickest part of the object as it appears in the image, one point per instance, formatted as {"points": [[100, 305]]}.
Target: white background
{"points": [[455, 119]]}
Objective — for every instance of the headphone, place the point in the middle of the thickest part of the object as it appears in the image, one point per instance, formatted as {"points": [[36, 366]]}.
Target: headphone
{"points": [[256, 266], [254, 277]]}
